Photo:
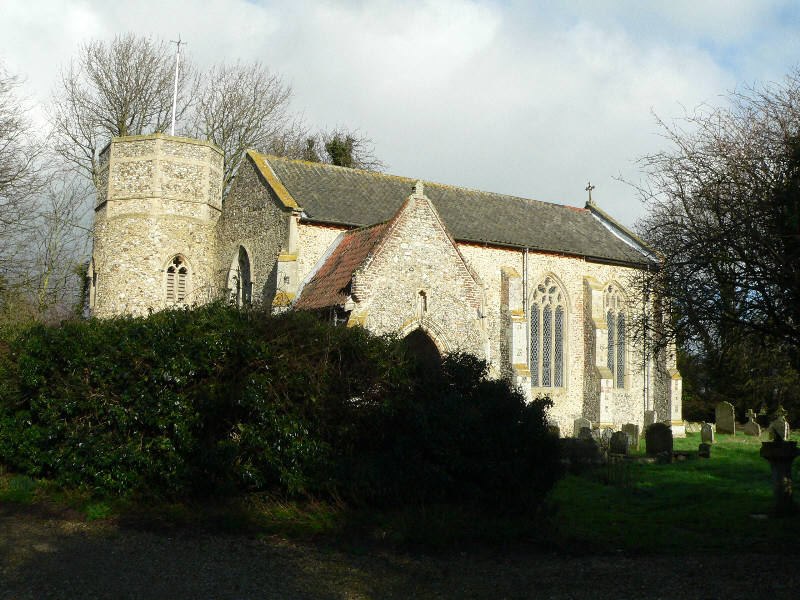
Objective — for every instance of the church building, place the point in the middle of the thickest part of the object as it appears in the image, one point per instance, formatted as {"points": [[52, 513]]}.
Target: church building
{"points": [[543, 292]]}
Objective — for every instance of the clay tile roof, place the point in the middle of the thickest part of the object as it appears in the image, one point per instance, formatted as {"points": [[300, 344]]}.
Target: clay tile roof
{"points": [[328, 286], [355, 198]]}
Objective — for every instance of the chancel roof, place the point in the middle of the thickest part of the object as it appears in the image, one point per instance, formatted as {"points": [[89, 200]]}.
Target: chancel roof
{"points": [[356, 198]]}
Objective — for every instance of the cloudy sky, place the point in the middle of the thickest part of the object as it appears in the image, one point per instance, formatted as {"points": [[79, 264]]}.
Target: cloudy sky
{"points": [[525, 98]]}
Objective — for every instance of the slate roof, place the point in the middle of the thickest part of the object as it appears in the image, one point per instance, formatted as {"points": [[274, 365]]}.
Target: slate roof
{"points": [[355, 198], [329, 285]]}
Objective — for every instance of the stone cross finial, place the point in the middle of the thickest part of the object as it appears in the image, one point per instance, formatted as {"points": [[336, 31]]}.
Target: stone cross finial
{"points": [[751, 416], [780, 412], [419, 188], [589, 189]]}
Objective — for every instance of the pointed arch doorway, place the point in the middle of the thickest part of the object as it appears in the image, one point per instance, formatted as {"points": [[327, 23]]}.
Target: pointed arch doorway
{"points": [[422, 348]]}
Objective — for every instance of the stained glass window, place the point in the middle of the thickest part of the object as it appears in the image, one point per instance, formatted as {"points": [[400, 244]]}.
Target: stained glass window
{"points": [[558, 349], [615, 318], [547, 335], [621, 351], [535, 341]]}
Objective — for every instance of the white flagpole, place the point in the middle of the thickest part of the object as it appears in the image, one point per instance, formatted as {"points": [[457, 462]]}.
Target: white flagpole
{"points": [[175, 92]]}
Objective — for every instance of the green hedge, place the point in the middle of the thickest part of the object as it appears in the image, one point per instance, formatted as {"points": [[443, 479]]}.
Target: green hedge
{"points": [[221, 401]]}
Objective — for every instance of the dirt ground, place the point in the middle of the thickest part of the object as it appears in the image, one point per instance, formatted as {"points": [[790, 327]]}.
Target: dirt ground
{"points": [[54, 553]]}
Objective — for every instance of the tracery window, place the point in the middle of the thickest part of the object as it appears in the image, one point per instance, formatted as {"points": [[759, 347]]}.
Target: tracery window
{"points": [[548, 324], [614, 304], [177, 276]]}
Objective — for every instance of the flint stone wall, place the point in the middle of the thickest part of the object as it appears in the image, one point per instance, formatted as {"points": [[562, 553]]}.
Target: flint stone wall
{"points": [[161, 197], [417, 255]]}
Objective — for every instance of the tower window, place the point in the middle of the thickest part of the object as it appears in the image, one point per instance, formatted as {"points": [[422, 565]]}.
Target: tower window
{"points": [[177, 276]]}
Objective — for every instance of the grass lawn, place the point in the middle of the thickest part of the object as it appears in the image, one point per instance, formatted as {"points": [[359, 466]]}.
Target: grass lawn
{"points": [[703, 504]]}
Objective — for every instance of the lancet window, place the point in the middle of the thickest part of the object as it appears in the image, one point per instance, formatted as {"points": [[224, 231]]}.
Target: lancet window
{"points": [[177, 280], [614, 304], [548, 332]]}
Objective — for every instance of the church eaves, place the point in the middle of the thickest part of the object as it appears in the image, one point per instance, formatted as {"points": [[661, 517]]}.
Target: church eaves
{"points": [[355, 198]]}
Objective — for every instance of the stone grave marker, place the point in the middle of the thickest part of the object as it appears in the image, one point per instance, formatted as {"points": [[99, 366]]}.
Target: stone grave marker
{"points": [[751, 427], [649, 418], [658, 440], [779, 427], [585, 433], [619, 443], [707, 434], [725, 417], [579, 424], [605, 435], [553, 427], [632, 431]]}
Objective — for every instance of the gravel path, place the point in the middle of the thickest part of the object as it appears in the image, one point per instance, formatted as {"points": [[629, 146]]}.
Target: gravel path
{"points": [[54, 554]]}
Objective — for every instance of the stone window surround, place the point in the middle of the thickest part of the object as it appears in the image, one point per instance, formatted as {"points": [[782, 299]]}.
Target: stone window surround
{"points": [[619, 292], [537, 389], [189, 272]]}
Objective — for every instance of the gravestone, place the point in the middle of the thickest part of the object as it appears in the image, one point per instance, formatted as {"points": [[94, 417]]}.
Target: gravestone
{"points": [[579, 424], [704, 451], [779, 428], [585, 433], [658, 440], [726, 421], [751, 427], [632, 431], [707, 434], [618, 443], [553, 427], [649, 418], [605, 435]]}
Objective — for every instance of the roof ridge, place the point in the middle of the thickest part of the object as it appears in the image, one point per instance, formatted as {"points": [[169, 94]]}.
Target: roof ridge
{"points": [[414, 179]]}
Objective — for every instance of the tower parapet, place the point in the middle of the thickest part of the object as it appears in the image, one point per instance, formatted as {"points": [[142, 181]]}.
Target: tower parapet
{"points": [[159, 198]]}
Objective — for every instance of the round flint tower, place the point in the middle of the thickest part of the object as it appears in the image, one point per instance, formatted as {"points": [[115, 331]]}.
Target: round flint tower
{"points": [[159, 198]]}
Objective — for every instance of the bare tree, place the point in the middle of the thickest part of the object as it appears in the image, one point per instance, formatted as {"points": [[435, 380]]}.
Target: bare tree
{"points": [[117, 88], [725, 216], [19, 178], [241, 106]]}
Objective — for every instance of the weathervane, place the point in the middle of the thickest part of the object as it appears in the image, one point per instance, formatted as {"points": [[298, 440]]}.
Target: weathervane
{"points": [[589, 189], [175, 93]]}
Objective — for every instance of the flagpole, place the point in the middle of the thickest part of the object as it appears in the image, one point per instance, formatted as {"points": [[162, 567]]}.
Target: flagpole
{"points": [[175, 92]]}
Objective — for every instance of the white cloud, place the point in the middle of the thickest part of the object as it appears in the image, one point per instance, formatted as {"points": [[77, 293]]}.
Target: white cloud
{"points": [[530, 99]]}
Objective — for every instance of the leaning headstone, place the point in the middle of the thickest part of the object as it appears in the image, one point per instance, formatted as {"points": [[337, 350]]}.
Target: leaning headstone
{"points": [[618, 443], [707, 434], [579, 424], [658, 440], [649, 418], [632, 431], [751, 427], [726, 421]]}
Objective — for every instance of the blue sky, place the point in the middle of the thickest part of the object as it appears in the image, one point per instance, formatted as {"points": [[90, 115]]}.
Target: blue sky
{"points": [[525, 98]]}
